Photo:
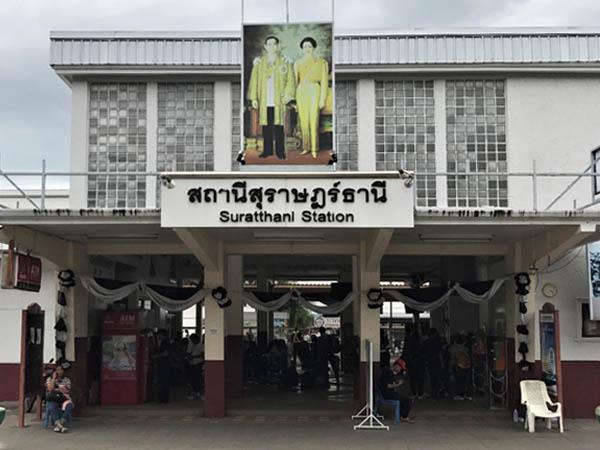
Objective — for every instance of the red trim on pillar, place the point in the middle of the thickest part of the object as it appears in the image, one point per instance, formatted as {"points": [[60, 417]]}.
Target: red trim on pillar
{"points": [[581, 388], [214, 390], [9, 386], [78, 373], [515, 375], [234, 365]]}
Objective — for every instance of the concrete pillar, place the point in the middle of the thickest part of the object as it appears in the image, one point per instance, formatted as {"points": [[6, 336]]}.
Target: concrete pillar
{"points": [[78, 161], [262, 317], [214, 346], [151, 142], [517, 261], [369, 278], [199, 315], [365, 93], [222, 126], [481, 268], [234, 327], [77, 321]]}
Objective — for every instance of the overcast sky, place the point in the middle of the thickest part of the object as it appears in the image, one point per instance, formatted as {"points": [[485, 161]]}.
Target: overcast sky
{"points": [[35, 103]]}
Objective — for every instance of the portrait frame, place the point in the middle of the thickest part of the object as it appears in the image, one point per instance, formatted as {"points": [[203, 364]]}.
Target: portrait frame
{"points": [[287, 94]]}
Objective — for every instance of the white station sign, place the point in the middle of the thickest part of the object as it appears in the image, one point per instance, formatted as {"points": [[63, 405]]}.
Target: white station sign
{"points": [[349, 200]]}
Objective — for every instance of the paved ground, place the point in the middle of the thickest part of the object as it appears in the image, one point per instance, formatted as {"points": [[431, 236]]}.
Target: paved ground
{"points": [[449, 426]]}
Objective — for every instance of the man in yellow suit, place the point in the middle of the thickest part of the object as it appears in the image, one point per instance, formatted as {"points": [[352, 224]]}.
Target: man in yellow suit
{"points": [[270, 89]]}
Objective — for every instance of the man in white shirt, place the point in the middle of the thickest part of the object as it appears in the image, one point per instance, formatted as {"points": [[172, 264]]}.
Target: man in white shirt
{"points": [[196, 362], [270, 88]]}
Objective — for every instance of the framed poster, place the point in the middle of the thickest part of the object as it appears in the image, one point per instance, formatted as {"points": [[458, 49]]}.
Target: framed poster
{"points": [[287, 94], [593, 269], [550, 350]]}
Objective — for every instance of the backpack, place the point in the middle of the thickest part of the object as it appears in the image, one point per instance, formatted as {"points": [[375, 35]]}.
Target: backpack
{"points": [[463, 360]]}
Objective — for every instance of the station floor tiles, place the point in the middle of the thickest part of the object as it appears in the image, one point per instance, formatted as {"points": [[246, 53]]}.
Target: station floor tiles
{"points": [[180, 425]]}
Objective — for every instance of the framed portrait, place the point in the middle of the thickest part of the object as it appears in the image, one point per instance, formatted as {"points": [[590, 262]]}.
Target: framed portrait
{"points": [[287, 94]]}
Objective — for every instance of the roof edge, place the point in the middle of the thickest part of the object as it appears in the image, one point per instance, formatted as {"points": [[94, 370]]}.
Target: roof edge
{"points": [[433, 32]]}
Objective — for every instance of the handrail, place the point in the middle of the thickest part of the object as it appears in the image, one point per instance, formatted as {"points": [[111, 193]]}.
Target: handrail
{"points": [[534, 175]]}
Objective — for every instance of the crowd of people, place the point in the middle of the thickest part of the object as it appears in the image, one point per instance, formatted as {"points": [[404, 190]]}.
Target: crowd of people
{"points": [[426, 359], [429, 359], [176, 362], [305, 360]]}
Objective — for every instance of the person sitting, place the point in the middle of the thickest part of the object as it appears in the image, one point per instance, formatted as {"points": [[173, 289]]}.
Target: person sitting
{"points": [[58, 398], [389, 381]]}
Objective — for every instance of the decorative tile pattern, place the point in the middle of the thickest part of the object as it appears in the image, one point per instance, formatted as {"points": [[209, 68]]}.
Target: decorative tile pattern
{"points": [[117, 143], [405, 132], [235, 125], [346, 127], [185, 127], [476, 142]]}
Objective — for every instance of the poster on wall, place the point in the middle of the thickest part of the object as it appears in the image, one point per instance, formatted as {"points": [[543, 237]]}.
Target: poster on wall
{"points": [[119, 357], [29, 273], [593, 268], [287, 94], [550, 351]]}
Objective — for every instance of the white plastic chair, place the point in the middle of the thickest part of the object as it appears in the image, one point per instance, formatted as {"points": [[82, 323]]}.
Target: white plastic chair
{"points": [[534, 395]]}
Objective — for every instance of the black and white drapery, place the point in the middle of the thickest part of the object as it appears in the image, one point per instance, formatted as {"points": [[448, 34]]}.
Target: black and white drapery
{"points": [[108, 296], [324, 306], [465, 294], [328, 308]]}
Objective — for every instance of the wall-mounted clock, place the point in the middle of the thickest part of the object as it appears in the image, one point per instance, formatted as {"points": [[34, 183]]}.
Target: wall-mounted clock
{"points": [[549, 290]]}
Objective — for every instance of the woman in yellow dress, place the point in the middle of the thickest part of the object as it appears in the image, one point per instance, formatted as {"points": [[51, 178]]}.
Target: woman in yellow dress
{"points": [[312, 78]]}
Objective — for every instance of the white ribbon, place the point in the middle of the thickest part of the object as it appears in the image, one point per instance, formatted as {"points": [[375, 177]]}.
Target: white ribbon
{"points": [[275, 305], [108, 296], [417, 305], [466, 295], [332, 309], [175, 305]]}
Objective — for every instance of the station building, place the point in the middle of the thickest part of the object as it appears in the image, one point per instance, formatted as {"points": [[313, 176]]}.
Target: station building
{"points": [[486, 139]]}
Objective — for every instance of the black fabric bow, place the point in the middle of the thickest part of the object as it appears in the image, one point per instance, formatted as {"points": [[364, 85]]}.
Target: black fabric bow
{"points": [[522, 329], [522, 281], [375, 298], [523, 348], [60, 325], [522, 307], [219, 293], [62, 298], [525, 365]]}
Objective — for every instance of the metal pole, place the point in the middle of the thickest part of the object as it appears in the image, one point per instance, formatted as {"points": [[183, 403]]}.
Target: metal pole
{"points": [[535, 199], [568, 188], [43, 192], [370, 384], [287, 11]]}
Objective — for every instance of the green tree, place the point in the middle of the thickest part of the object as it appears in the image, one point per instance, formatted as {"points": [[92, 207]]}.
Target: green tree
{"points": [[300, 317]]}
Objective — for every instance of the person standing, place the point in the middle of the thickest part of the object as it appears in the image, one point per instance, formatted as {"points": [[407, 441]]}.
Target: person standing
{"points": [[415, 360], [433, 361], [160, 356], [270, 89], [312, 79], [461, 366], [196, 362]]}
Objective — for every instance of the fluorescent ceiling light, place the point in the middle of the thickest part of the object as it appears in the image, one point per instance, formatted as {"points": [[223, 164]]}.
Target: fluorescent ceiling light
{"points": [[474, 238], [120, 237], [288, 236]]}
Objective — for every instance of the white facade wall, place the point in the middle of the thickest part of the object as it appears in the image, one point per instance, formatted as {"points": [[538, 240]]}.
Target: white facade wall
{"points": [[553, 121], [14, 301], [571, 281], [556, 122]]}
